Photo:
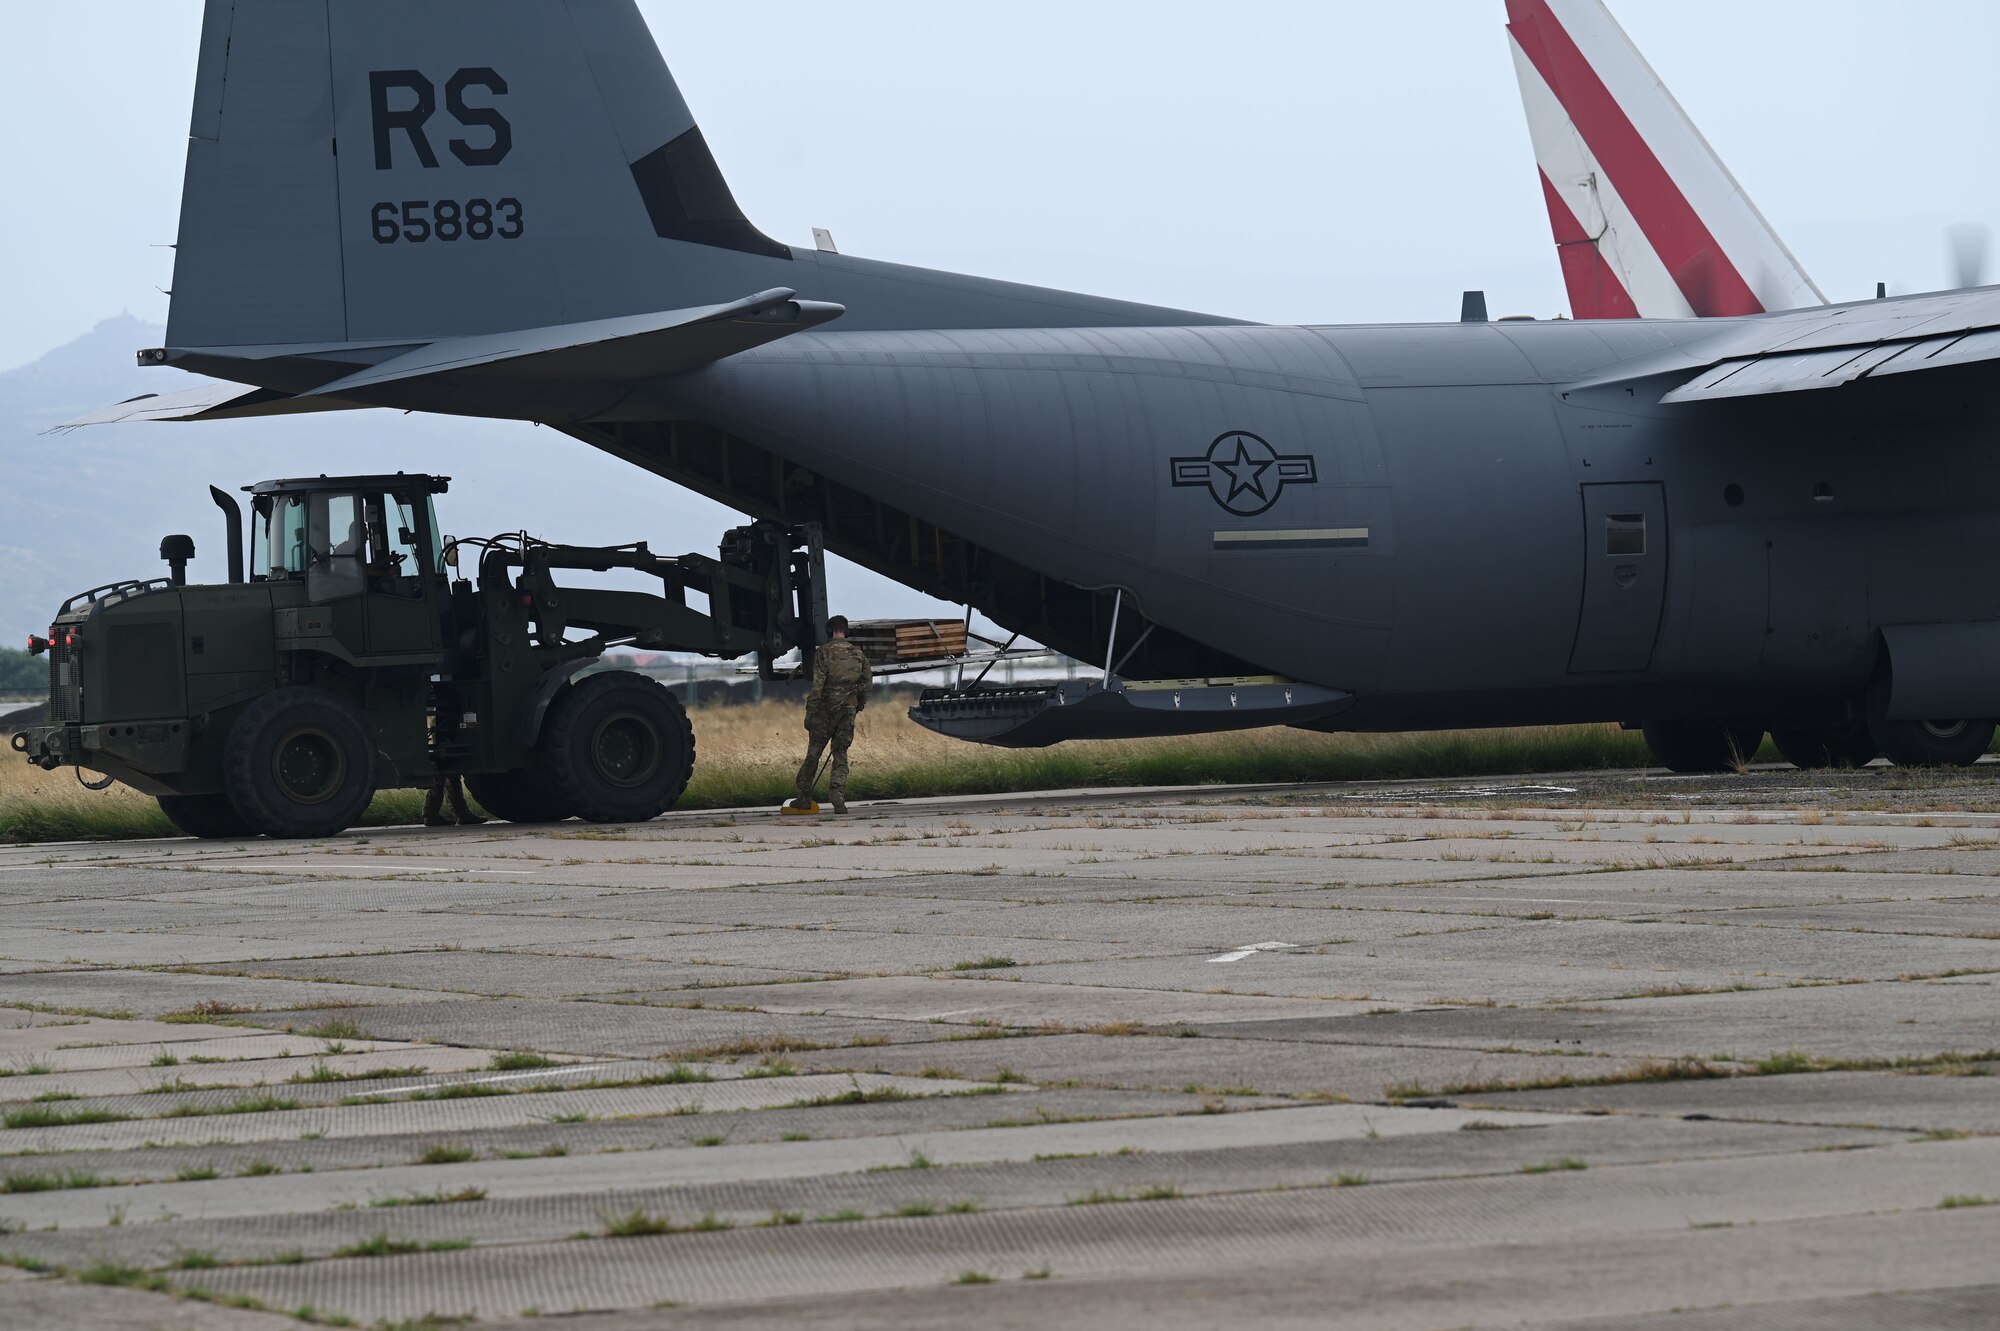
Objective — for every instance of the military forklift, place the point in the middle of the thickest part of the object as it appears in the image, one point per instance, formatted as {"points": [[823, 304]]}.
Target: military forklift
{"points": [[353, 657]]}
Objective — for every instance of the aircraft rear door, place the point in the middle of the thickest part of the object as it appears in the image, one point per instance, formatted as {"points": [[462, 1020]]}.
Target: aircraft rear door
{"points": [[1624, 578]]}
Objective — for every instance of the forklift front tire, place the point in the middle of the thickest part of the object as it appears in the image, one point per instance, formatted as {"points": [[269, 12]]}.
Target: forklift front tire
{"points": [[618, 747], [299, 764], [211, 817]]}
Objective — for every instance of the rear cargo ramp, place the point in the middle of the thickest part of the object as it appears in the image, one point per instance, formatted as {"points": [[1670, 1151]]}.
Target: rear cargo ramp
{"points": [[1035, 717]]}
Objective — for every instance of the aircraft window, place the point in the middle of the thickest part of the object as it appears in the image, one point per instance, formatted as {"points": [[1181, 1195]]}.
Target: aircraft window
{"points": [[1625, 534]]}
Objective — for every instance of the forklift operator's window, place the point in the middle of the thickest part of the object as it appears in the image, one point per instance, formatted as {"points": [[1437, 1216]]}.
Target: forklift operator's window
{"points": [[336, 546], [437, 540], [281, 552], [393, 566]]}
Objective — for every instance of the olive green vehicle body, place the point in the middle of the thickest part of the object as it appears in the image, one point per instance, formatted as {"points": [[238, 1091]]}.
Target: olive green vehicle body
{"points": [[147, 678]]}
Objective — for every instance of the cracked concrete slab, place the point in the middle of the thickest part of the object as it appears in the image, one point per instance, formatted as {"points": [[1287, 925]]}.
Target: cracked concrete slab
{"points": [[1213, 1016], [1286, 1228]]}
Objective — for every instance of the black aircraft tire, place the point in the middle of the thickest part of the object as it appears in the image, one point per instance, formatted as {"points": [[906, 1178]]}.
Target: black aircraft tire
{"points": [[618, 748], [1827, 746], [299, 764], [518, 797], [1701, 746], [211, 817], [1953, 743]]}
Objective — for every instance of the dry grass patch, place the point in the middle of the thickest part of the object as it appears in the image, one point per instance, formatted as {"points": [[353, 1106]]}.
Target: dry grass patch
{"points": [[750, 755]]}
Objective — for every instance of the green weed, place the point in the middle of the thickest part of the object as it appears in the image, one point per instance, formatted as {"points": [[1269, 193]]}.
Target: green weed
{"points": [[518, 1061], [53, 1182], [986, 964], [379, 1246], [432, 1198], [638, 1223], [39, 1116], [1555, 1166]]}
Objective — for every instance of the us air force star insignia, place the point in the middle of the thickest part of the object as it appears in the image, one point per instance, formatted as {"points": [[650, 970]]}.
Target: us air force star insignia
{"points": [[1244, 474]]}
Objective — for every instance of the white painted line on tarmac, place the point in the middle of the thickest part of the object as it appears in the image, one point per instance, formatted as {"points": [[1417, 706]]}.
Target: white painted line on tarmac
{"points": [[489, 1081], [1251, 950]]}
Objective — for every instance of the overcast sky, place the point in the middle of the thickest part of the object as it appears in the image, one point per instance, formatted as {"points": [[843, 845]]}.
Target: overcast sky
{"points": [[1326, 161]]}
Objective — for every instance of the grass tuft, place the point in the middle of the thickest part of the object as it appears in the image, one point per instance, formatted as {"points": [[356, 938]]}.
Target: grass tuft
{"points": [[638, 1223], [519, 1061], [432, 1198], [243, 1104], [41, 1116], [1555, 1166], [680, 1074], [379, 1246], [53, 1182], [460, 1090], [117, 1273]]}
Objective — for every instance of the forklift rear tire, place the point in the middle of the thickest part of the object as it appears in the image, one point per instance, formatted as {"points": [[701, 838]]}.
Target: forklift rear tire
{"points": [[299, 764], [618, 747], [211, 817], [1701, 746], [518, 797]]}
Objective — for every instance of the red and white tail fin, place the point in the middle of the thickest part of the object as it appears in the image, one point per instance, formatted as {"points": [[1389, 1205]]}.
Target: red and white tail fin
{"points": [[1648, 221]]}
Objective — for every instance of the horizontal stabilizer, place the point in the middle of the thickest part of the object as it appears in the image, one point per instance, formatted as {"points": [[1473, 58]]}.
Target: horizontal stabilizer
{"points": [[629, 348], [210, 402], [1873, 341], [1794, 372]]}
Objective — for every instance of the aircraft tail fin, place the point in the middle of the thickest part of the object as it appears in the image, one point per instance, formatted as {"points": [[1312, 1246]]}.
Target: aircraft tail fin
{"points": [[371, 172], [1648, 222], [374, 170]]}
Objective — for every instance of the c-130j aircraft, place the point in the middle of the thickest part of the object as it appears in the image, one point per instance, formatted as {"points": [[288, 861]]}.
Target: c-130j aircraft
{"points": [[1712, 527]]}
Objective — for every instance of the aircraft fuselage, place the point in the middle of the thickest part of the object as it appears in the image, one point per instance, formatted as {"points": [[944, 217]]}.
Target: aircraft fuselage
{"points": [[1419, 515]]}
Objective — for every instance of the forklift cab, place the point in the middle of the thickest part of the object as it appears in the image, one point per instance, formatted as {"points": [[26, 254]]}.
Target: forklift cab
{"points": [[365, 547]]}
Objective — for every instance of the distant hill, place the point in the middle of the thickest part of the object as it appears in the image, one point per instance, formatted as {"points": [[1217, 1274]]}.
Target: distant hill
{"points": [[81, 509]]}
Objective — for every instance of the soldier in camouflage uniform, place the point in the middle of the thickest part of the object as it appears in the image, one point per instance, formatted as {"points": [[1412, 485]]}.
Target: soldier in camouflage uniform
{"points": [[841, 680]]}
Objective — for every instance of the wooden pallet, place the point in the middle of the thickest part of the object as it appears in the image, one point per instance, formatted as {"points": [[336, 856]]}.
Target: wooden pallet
{"points": [[896, 641]]}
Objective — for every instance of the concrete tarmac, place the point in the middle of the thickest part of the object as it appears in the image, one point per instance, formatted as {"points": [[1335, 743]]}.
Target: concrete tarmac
{"points": [[1612, 1051]]}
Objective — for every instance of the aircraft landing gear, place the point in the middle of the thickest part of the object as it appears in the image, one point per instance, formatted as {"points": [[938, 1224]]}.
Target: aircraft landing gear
{"points": [[1813, 747], [1702, 746], [1943, 742], [1956, 742]]}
